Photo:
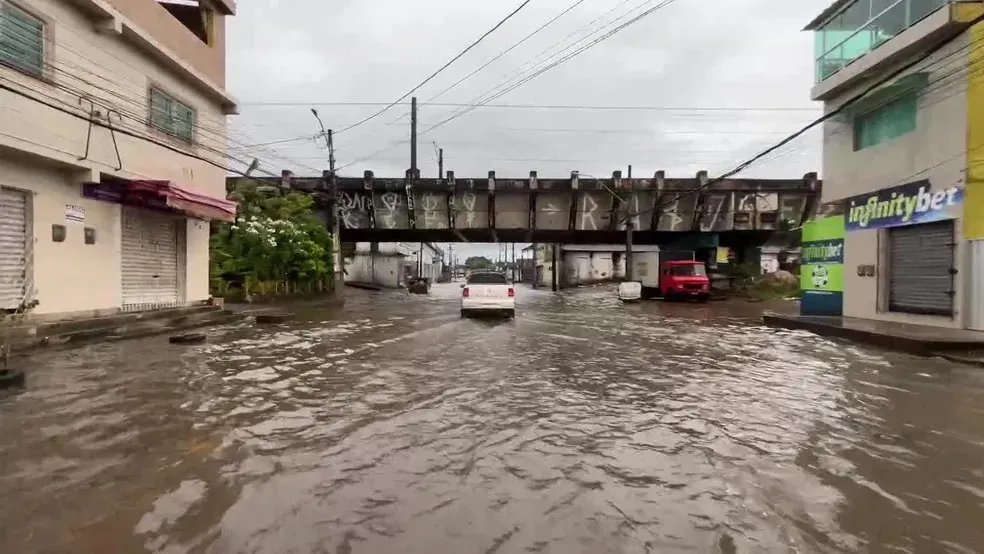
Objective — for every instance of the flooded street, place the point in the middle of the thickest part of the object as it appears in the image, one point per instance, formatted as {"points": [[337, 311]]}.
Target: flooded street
{"points": [[584, 426]]}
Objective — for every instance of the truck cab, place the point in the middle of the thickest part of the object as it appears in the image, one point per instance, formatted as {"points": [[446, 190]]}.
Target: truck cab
{"points": [[684, 279]]}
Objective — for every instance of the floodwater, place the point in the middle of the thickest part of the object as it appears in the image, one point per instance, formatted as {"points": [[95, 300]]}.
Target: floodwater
{"points": [[584, 426]]}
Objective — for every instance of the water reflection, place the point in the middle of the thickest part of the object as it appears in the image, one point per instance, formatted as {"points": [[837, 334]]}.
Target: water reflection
{"points": [[582, 426]]}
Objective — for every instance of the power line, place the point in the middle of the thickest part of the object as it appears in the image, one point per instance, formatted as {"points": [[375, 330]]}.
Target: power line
{"points": [[619, 28], [825, 117], [122, 131], [503, 53], [542, 106], [114, 88], [435, 74], [548, 67]]}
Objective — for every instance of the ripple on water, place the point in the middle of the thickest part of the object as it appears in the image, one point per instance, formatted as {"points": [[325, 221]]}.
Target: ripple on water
{"points": [[582, 426]]}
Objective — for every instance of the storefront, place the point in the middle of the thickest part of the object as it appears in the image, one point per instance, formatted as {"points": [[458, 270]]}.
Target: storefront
{"points": [[13, 246], [153, 242], [151, 259], [902, 247]]}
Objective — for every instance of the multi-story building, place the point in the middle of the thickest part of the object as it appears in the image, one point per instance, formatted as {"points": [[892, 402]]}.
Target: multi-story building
{"points": [[903, 156], [112, 152]]}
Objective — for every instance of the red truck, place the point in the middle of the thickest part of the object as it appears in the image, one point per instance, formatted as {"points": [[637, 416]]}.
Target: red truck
{"points": [[684, 279], [671, 275]]}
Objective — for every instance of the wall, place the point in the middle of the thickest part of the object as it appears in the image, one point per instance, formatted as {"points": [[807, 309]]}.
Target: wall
{"points": [[378, 270], [936, 151], [114, 75], [69, 276], [164, 28]]}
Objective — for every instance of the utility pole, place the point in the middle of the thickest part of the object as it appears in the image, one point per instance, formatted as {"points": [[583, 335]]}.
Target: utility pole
{"points": [[331, 151], [440, 164], [514, 262], [413, 138], [630, 172], [628, 251], [420, 262], [451, 260]]}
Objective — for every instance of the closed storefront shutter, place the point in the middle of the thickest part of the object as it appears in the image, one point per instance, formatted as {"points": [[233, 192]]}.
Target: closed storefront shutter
{"points": [[921, 260], [13, 247], [149, 259]]}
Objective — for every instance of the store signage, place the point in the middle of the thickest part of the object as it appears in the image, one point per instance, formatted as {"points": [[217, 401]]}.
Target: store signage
{"points": [[822, 266], [906, 204]]}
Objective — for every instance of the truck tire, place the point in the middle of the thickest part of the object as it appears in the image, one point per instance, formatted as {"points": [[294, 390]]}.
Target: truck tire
{"points": [[511, 314], [464, 313]]}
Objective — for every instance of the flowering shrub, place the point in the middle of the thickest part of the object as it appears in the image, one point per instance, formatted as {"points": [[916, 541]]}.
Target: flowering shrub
{"points": [[276, 239]]}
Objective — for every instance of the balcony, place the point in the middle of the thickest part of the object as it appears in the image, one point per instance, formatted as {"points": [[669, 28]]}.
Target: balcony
{"points": [[856, 28]]}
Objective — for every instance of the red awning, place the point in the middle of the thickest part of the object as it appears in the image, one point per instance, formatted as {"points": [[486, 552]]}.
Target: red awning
{"points": [[163, 195]]}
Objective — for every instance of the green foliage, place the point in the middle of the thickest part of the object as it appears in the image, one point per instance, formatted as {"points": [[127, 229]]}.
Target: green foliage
{"points": [[277, 238], [478, 262]]}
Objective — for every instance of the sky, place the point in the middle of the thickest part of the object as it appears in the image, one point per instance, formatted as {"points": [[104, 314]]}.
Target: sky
{"points": [[707, 84]]}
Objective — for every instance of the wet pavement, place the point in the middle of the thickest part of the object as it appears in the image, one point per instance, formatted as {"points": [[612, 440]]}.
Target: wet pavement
{"points": [[393, 426]]}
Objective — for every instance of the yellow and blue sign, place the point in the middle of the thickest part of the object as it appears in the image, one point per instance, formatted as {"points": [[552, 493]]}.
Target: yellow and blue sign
{"points": [[822, 266], [906, 204]]}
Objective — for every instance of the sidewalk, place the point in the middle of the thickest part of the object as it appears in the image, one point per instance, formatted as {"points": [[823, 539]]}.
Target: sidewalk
{"points": [[922, 340]]}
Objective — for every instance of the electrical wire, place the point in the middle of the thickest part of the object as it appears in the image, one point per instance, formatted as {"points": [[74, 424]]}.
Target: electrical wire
{"points": [[436, 73], [543, 106], [546, 68], [122, 131], [662, 4], [827, 116], [515, 45], [220, 134]]}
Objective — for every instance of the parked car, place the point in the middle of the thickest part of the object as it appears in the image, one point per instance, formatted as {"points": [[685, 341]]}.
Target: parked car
{"points": [[488, 292]]}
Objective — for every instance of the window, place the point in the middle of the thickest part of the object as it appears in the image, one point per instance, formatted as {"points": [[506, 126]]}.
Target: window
{"points": [[21, 40], [171, 116], [487, 279], [886, 122]]}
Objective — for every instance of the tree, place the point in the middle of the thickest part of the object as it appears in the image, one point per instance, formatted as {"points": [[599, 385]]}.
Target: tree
{"points": [[478, 262], [275, 239]]}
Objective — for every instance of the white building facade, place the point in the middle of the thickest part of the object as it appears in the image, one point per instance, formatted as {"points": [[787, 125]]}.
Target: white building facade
{"points": [[112, 153], [392, 264], [905, 161]]}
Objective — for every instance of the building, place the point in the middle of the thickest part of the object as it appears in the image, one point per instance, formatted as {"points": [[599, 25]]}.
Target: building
{"points": [[903, 159], [392, 264], [112, 152]]}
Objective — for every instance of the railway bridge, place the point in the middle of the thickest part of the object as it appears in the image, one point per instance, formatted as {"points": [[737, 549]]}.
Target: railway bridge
{"points": [[574, 210]]}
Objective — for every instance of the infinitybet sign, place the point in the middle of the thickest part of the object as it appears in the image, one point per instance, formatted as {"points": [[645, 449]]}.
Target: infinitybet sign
{"points": [[830, 251], [902, 205]]}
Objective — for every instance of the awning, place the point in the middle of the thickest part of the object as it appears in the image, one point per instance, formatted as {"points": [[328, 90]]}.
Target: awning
{"points": [[160, 195]]}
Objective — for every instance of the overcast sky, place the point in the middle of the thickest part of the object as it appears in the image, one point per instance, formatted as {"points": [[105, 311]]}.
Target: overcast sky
{"points": [[701, 64]]}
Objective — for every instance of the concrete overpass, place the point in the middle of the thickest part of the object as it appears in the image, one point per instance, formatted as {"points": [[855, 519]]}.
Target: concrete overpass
{"points": [[573, 210]]}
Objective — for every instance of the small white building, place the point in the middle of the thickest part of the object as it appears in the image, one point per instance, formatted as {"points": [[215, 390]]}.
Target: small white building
{"points": [[392, 264], [581, 264], [112, 152]]}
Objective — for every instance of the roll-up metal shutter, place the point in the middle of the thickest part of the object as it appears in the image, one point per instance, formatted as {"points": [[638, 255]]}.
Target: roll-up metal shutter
{"points": [[921, 259], [149, 259], [13, 247]]}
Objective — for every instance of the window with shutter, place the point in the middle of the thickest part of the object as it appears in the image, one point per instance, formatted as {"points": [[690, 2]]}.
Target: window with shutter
{"points": [[171, 116], [21, 40]]}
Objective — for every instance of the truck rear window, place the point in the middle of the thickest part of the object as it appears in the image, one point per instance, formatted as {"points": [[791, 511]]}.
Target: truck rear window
{"points": [[487, 279]]}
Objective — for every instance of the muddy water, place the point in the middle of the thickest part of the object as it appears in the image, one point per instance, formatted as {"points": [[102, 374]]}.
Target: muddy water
{"points": [[582, 426]]}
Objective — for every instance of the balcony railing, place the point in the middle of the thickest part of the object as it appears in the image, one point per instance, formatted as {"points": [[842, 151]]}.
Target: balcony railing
{"points": [[863, 26]]}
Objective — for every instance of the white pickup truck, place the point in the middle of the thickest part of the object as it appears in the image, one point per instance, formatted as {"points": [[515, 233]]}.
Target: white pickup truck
{"points": [[487, 292]]}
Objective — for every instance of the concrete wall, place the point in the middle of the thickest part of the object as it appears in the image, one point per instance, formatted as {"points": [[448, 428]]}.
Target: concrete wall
{"points": [[936, 150], [159, 24], [384, 271]]}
